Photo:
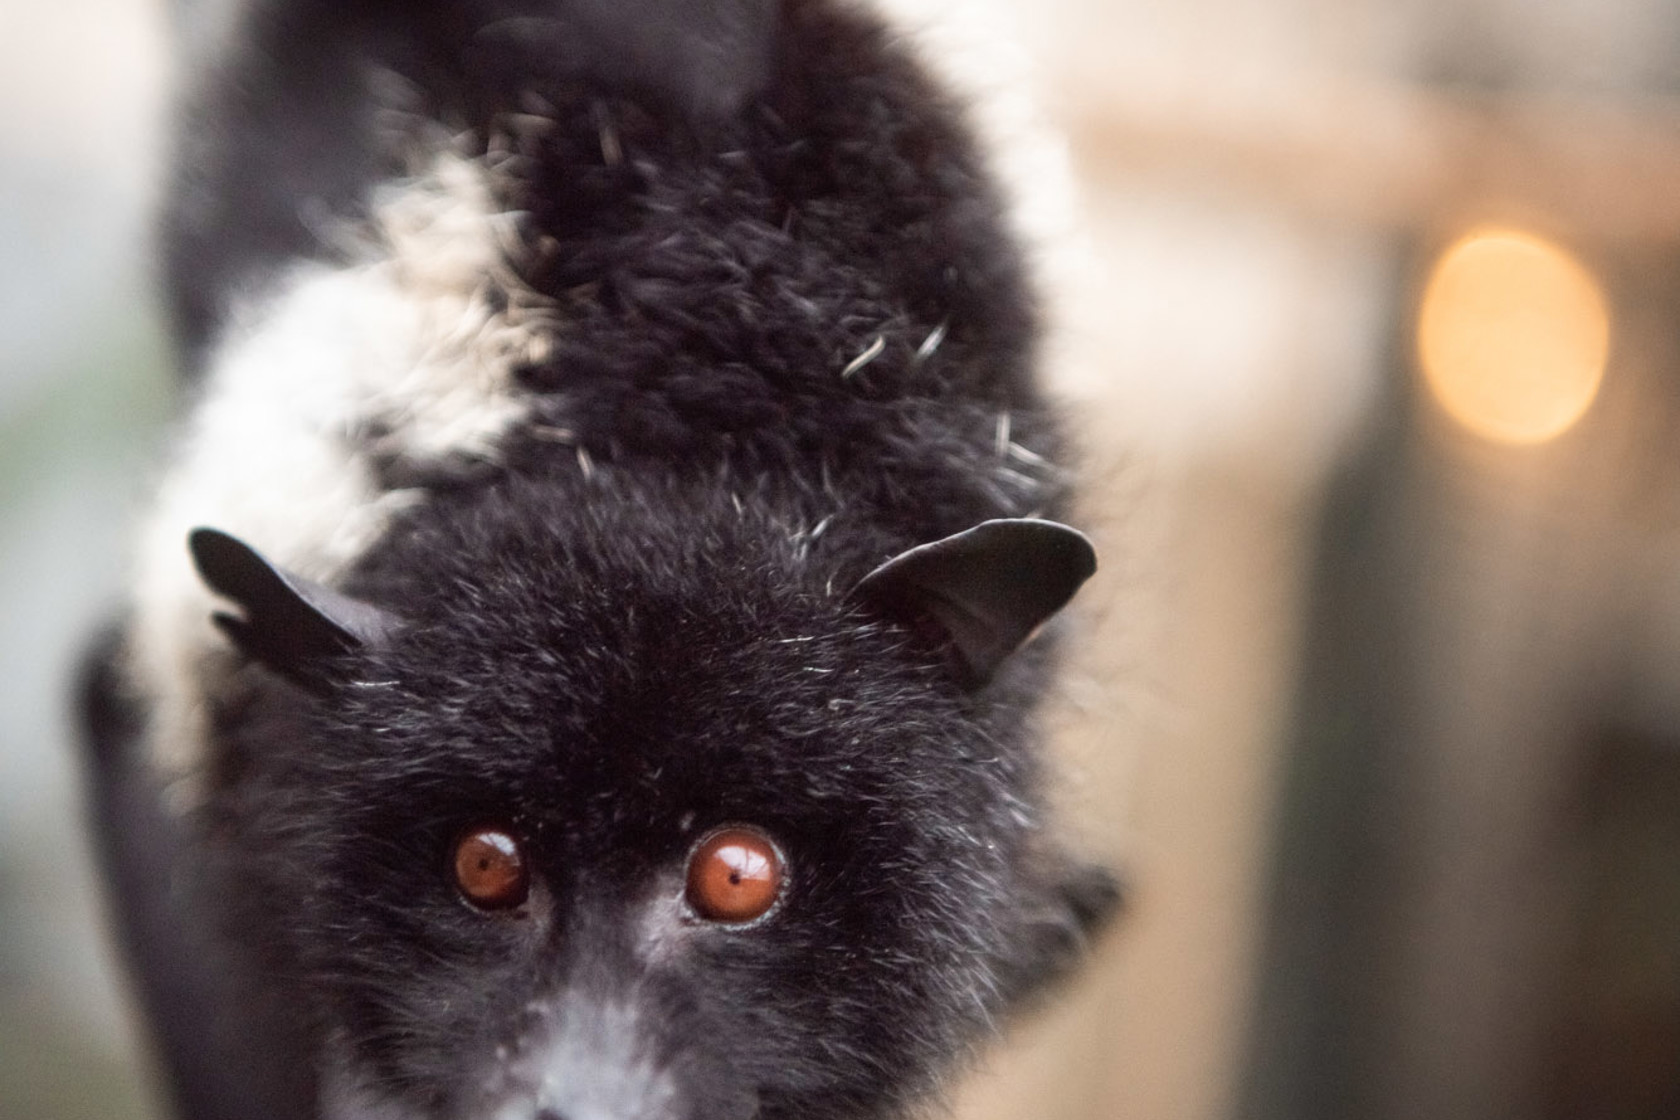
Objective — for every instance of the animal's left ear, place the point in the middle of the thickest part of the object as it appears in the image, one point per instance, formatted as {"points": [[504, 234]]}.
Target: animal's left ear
{"points": [[291, 624], [988, 587]]}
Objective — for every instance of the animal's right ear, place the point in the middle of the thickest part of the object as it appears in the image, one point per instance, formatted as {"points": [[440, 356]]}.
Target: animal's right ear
{"points": [[291, 624]]}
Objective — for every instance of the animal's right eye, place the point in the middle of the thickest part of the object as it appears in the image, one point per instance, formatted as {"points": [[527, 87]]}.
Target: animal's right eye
{"points": [[489, 868]]}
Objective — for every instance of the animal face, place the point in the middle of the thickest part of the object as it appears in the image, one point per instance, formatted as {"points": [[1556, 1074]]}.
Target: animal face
{"points": [[485, 846]]}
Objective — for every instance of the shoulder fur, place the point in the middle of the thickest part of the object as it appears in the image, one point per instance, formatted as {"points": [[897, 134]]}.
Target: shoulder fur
{"points": [[401, 323]]}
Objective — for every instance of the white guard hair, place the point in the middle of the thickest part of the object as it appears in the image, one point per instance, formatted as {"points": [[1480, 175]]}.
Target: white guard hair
{"points": [[400, 356]]}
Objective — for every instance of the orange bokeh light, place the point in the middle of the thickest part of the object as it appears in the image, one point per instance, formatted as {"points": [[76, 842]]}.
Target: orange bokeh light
{"points": [[1513, 336]]}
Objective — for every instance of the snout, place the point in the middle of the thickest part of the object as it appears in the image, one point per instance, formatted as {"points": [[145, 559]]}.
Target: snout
{"points": [[551, 1114], [588, 1058]]}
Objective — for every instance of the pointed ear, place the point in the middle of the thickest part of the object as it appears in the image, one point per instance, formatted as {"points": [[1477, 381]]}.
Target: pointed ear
{"points": [[290, 624], [989, 587]]}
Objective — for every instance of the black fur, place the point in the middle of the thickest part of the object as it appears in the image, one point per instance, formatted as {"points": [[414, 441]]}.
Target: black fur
{"points": [[637, 622], [224, 1049]]}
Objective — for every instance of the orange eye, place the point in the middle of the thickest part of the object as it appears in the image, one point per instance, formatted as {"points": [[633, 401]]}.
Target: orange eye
{"points": [[735, 875], [490, 869]]}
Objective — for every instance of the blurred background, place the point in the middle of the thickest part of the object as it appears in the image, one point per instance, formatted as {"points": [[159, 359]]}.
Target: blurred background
{"points": [[1372, 341]]}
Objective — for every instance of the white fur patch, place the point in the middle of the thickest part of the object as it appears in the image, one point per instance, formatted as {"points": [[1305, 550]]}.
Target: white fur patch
{"points": [[978, 51], [402, 355], [982, 52]]}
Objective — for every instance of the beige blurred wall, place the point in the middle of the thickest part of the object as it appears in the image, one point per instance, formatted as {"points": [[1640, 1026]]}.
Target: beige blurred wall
{"points": [[1248, 174], [1224, 349]]}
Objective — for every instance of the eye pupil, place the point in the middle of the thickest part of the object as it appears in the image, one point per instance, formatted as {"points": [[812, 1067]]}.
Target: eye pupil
{"points": [[734, 875], [489, 869]]}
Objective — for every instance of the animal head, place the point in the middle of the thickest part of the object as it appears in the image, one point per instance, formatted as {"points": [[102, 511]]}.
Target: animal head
{"points": [[595, 812]]}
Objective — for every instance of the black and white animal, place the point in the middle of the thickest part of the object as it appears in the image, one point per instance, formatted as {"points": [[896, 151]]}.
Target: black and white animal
{"points": [[581, 663]]}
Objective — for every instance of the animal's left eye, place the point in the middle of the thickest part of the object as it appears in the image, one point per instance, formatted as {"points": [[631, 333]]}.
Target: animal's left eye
{"points": [[489, 868], [734, 875]]}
